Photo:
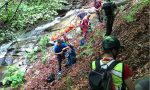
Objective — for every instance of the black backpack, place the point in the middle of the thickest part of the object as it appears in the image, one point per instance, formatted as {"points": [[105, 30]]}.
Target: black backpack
{"points": [[101, 79]]}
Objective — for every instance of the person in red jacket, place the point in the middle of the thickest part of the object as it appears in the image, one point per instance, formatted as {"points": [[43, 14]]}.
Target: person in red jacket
{"points": [[84, 25], [98, 6]]}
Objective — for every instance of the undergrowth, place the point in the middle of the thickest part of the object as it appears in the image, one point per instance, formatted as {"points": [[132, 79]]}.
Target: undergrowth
{"points": [[14, 76], [88, 47], [130, 16], [31, 56]]}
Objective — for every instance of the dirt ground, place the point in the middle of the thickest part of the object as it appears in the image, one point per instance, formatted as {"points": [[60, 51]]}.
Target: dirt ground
{"points": [[134, 37]]}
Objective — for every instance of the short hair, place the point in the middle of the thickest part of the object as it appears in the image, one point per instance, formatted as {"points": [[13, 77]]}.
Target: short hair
{"points": [[59, 41]]}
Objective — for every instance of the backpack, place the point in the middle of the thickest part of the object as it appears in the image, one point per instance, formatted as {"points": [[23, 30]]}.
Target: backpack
{"points": [[101, 79]]}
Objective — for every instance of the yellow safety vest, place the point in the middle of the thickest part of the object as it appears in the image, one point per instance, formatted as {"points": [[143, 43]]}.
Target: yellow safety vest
{"points": [[116, 74]]}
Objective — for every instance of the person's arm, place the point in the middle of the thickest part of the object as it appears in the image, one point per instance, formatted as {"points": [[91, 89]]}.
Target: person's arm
{"points": [[129, 83], [116, 9], [127, 77], [59, 53], [85, 21], [65, 48], [56, 52]]}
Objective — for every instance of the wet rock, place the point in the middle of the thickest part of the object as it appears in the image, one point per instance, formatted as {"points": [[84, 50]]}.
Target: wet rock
{"points": [[9, 61], [2, 61], [6, 61]]}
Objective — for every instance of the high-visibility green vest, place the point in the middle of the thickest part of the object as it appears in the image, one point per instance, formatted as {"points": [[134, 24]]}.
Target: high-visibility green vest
{"points": [[116, 74]]}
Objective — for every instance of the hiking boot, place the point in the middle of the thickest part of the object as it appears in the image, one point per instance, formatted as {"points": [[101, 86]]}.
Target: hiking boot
{"points": [[59, 75]]}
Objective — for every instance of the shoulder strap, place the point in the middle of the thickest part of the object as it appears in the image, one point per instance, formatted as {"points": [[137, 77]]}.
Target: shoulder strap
{"points": [[113, 64], [123, 82], [98, 66]]}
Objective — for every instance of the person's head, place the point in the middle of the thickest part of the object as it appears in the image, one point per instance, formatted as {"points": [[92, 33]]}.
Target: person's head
{"points": [[110, 45], [88, 15], [59, 42]]}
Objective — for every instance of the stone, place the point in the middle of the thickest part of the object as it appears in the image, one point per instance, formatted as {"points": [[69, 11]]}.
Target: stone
{"points": [[2, 61], [9, 61]]}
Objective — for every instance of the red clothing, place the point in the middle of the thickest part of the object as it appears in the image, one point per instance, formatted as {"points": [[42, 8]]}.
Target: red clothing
{"points": [[98, 4], [84, 26], [127, 72], [65, 38]]}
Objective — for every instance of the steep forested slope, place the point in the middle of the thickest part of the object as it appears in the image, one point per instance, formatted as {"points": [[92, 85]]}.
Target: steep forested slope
{"points": [[134, 36]]}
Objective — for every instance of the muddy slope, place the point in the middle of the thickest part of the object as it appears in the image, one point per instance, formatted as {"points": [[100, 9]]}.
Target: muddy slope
{"points": [[134, 36]]}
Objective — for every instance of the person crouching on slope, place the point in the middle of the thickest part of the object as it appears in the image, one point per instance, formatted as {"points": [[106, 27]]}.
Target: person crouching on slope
{"points": [[121, 74], [84, 25]]}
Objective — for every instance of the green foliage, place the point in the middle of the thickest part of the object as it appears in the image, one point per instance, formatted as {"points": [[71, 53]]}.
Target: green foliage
{"points": [[88, 49], [44, 56], [43, 41], [4, 36], [130, 16], [14, 75], [29, 13], [31, 56], [69, 83]]}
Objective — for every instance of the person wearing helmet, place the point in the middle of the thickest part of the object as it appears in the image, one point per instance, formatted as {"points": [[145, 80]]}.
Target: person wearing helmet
{"points": [[121, 73], [109, 9]]}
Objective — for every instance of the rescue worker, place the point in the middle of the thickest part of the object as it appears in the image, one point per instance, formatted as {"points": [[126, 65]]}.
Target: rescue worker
{"points": [[70, 56], [84, 25], [59, 50], [109, 9], [98, 6], [121, 73]]}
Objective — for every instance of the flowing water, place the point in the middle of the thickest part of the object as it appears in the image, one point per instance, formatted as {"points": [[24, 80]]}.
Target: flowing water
{"points": [[28, 40]]}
